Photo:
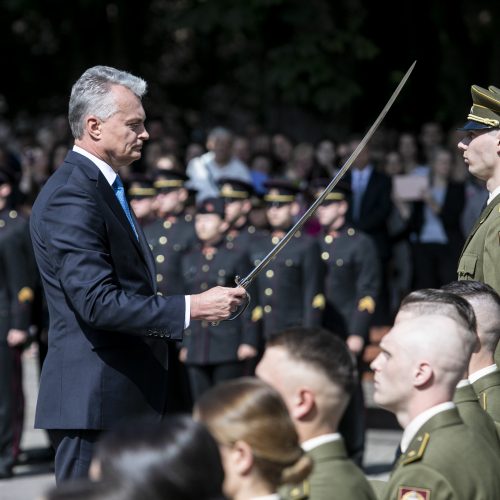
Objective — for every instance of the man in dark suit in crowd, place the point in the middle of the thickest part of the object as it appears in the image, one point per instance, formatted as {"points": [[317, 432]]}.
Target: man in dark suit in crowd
{"points": [[107, 354]]}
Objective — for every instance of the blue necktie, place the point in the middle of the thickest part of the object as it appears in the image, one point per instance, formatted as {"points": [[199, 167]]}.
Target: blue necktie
{"points": [[120, 194]]}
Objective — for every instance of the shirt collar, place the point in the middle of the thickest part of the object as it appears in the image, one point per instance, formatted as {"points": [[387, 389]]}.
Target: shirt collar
{"points": [[493, 194], [473, 377], [464, 382], [319, 440], [106, 169], [413, 427]]}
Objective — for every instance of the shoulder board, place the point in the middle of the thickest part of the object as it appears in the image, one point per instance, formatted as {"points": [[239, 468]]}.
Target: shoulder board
{"points": [[416, 452], [300, 491]]}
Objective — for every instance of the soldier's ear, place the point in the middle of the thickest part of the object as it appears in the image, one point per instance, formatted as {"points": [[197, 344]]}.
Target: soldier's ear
{"points": [[423, 374], [343, 207]]}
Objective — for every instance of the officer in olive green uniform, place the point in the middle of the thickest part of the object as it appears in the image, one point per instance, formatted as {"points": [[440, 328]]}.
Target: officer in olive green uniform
{"points": [[214, 353], [290, 289], [481, 253], [487, 389], [237, 195], [473, 415], [170, 235], [352, 281], [16, 295], [427, 471]]}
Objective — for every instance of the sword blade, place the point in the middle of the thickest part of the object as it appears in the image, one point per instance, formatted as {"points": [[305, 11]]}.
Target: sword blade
{"points": [[247, 280]]}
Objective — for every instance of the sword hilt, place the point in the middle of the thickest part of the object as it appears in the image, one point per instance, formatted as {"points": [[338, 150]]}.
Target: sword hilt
{"points": [[242, 307]]}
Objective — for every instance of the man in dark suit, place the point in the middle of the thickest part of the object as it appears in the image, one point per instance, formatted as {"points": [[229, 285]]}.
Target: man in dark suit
{"points": [[107, 354], [369, 211]]}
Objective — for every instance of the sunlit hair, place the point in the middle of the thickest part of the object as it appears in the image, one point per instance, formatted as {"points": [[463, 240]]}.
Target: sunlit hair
{"points": [[486, 303], [433, 301], [91, 95], [249, 410]]}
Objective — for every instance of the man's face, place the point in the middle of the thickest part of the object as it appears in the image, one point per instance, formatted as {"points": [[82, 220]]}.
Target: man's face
{"points": [[123, 133], [170, 202], [233, 210], [393, 368], [330, 212], [280, 216], [481, 150], [208, 227], [142, 207]]}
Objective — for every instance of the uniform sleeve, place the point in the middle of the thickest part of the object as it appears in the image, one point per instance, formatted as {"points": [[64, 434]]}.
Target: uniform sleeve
{"points": [[368, 281], [313, 282], [19, 278], [422, 480], [491, 257]]}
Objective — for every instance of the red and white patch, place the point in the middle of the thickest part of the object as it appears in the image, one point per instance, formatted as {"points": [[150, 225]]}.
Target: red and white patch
{"points": [[409, 493]]}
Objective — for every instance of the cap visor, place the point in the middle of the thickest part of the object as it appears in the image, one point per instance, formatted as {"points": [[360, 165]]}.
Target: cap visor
{"points": [[472, 125]]}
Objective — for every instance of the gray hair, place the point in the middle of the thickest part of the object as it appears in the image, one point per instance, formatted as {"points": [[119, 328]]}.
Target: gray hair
{"points": [[91, 94]]}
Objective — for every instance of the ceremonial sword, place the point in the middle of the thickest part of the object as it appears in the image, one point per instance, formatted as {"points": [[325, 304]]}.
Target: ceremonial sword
{"points": [[249, 278]]}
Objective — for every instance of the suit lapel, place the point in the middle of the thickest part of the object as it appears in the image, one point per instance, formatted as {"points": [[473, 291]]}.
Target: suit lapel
{"points": [[146, 251]]}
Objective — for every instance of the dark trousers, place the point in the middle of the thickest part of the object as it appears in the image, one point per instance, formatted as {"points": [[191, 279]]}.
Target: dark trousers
{"points": [[202, 377], [74, 450]]}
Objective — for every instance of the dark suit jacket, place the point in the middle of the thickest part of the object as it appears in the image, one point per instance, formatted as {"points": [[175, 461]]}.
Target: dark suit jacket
{"points": [[107, 356], [375, 209]]}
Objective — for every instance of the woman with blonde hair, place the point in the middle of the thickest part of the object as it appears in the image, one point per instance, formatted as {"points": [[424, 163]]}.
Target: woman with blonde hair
{"points": [[259, 446]]}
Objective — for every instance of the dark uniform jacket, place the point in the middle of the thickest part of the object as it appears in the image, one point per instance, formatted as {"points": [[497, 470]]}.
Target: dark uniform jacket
{"points": [[290, 288], [446, 460], [334, 476], [487, 389], [352, 281], [481, 252], [107, 355], [16, 278], [169, 239], [207, 343]]}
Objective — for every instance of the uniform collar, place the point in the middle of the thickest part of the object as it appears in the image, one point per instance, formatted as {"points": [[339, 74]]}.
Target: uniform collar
{"points": [[474, 377], [314, 442], [413, 427]]}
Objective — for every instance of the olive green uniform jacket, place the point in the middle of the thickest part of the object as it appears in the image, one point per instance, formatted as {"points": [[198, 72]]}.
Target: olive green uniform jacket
{"points": [[446, 460], [334, 477], [487, 389], [474, 416], [480, 256]]}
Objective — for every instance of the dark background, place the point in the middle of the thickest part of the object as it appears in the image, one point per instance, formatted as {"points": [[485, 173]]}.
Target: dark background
{"points": [[309, 68]]}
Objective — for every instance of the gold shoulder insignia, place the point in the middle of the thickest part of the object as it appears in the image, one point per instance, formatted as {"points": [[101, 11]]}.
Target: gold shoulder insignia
{"points": [[25, 294], [415, 454], [319, 301], [411, 493], [484, 401], [300, 491], [366, 304], [257, 313]]}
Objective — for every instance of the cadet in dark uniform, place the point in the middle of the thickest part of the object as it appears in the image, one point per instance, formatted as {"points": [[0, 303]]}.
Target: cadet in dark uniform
{"points": [[16, 295], [170, 236], [141, 195], [352, 282], [214, 353], [172, 233], [290, 289], [237, 196]]}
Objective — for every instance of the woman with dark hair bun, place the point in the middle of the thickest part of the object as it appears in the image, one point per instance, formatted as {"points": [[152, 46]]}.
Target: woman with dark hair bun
{"points": [[177, 459], [258, 443]]}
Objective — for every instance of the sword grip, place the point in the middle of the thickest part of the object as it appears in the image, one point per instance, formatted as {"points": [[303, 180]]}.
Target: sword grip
{"points": [[241, 309]]}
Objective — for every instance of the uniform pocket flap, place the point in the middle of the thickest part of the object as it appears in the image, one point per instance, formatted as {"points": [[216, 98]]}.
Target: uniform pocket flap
{"points": [[467, 264]]}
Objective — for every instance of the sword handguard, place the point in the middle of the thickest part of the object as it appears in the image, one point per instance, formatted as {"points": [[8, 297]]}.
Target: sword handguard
{"points": [[241, 309]]}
